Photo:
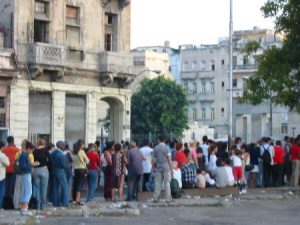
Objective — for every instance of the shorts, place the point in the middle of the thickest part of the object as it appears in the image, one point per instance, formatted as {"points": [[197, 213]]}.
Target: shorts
{"points": [[237, 173], [79, 180]]}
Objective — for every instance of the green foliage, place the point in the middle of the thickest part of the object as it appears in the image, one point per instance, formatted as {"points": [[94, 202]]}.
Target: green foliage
{"points": [[270, 81], [279, 68], [251, 47], [159, 106]]}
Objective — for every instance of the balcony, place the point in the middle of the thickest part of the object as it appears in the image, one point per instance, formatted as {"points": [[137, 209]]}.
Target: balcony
{"points": [[117, 66], [207, 97], [245, 68], [188, 75], [192, 97], [46, 54]]}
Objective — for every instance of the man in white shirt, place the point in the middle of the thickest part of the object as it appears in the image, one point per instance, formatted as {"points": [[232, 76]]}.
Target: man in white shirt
{"points": [[267, 164], [147, 163]]}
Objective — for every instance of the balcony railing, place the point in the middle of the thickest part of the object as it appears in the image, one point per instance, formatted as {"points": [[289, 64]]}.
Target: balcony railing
{"points": [[47, 54], [245, 67], [117, 63]]}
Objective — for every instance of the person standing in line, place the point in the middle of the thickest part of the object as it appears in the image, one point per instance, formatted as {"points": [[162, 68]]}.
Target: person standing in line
{"points": [[267, 154], [108, 171], [295, 154], [277, 169], [69, 169], [25, 168], [4, 162], [288, 168], [118, 165], [80, 168], [40, 173], [10, 179], [212, 157], [135, 171], [163, 169], [147, 163], [59, 165], [180, 157], [94, 170], [204, 147]]}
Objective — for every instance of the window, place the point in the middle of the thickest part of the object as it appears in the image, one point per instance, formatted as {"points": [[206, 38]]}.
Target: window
{"points": [[194, 87], [284, 128], [41, 31], [194, 65], [223, 84], [41, 7], [108, 42], [222, 112], [72, 15], [108, 19], [111, 31], [234, 83], [185, 66], [223, 62], [2, 102], [203, 64], [212, 114], [212, 87], [203, 88], [203, 113], [186, 85], [213, 65], [194, 114]]}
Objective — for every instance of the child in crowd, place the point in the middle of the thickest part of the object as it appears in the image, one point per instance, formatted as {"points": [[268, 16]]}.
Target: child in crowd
{"points": [[237, 165], [200, 179], [177, 173]]}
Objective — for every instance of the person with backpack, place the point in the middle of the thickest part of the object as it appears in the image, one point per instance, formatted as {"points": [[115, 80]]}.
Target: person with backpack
{"points": [[267, 155], [4, 162]]}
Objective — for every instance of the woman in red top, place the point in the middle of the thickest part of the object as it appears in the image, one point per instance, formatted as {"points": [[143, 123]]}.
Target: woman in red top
{"points": [[179, 156], [277, 168], [93, 171]]}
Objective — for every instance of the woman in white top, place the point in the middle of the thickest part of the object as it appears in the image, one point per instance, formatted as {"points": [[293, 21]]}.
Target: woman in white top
{"points": [[212, 158], [177, 173]]}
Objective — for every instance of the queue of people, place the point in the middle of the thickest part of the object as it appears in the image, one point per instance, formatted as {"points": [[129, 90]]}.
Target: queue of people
{"points": [[33, 176]]}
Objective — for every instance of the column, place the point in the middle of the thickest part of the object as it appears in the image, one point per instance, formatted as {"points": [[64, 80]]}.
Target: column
{"points": [[58, 115], [91, 118]]}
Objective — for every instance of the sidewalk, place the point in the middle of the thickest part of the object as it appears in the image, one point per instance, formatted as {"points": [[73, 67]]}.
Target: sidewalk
{"points": [[101, 208]]}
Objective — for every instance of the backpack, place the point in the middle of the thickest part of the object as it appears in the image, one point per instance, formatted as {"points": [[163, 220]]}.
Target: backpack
{"points": [[175, 189], [266, 157]]}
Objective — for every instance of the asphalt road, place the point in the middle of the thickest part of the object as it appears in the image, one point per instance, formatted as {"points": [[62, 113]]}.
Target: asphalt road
{"points": [[273, 212]]}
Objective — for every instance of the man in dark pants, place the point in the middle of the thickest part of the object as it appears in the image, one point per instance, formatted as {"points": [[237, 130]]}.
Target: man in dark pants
{"points": [[10, 151], [267, 148], [135, 171]]}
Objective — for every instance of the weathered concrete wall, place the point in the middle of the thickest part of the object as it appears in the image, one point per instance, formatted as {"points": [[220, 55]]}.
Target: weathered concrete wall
{"points": [[6, 14]]}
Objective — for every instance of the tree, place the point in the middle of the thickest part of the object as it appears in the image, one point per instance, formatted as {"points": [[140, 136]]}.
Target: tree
{"points": [[284, 63], [159, 106]]}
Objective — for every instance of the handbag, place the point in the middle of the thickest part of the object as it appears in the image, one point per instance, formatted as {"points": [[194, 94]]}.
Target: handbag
{"points": [[249, 167]]}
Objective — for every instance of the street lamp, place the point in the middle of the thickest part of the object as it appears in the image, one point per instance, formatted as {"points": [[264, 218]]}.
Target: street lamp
{"points": [[230, 76], [136, 79]]}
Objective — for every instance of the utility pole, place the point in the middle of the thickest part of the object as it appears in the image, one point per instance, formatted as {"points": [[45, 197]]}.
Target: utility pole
{"points": [[230, 76]]}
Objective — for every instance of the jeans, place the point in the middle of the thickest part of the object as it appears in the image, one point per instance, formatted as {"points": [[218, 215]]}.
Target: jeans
{"points": [[161, 177], [92, 180], [296, 172], [2, 185], [10, 181], [133, 186], [26, 188], [41, 177], [259, 176], [146, 177], [60, 188], [277, 174]]}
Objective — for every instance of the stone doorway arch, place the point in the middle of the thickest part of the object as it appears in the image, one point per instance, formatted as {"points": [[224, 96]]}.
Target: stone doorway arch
{"points": [[110, 119]]}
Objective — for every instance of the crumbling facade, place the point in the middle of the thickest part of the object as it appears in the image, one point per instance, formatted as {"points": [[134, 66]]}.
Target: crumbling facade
{"points": [[68, 57]]}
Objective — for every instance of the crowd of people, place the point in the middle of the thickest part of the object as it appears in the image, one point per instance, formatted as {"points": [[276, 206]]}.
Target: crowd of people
{"points": [[46, 173]]}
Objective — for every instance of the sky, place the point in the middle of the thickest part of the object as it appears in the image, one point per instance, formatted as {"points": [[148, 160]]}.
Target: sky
{"points": [[191, 21]]}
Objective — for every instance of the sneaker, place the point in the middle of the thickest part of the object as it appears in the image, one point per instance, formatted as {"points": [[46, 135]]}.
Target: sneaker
{"points": [[79, 203], [26, 212], [244, 191]]}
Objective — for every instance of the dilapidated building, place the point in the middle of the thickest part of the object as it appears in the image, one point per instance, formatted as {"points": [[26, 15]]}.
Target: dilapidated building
{"points": [[62, 64]]}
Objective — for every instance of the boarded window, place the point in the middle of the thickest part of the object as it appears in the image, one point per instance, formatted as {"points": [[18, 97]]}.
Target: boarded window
{"points": [[73, 36], [72, 15], [2, 102]]}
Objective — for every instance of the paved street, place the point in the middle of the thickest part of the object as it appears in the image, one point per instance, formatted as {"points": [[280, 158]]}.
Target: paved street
{"points": [[276, 212]]}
